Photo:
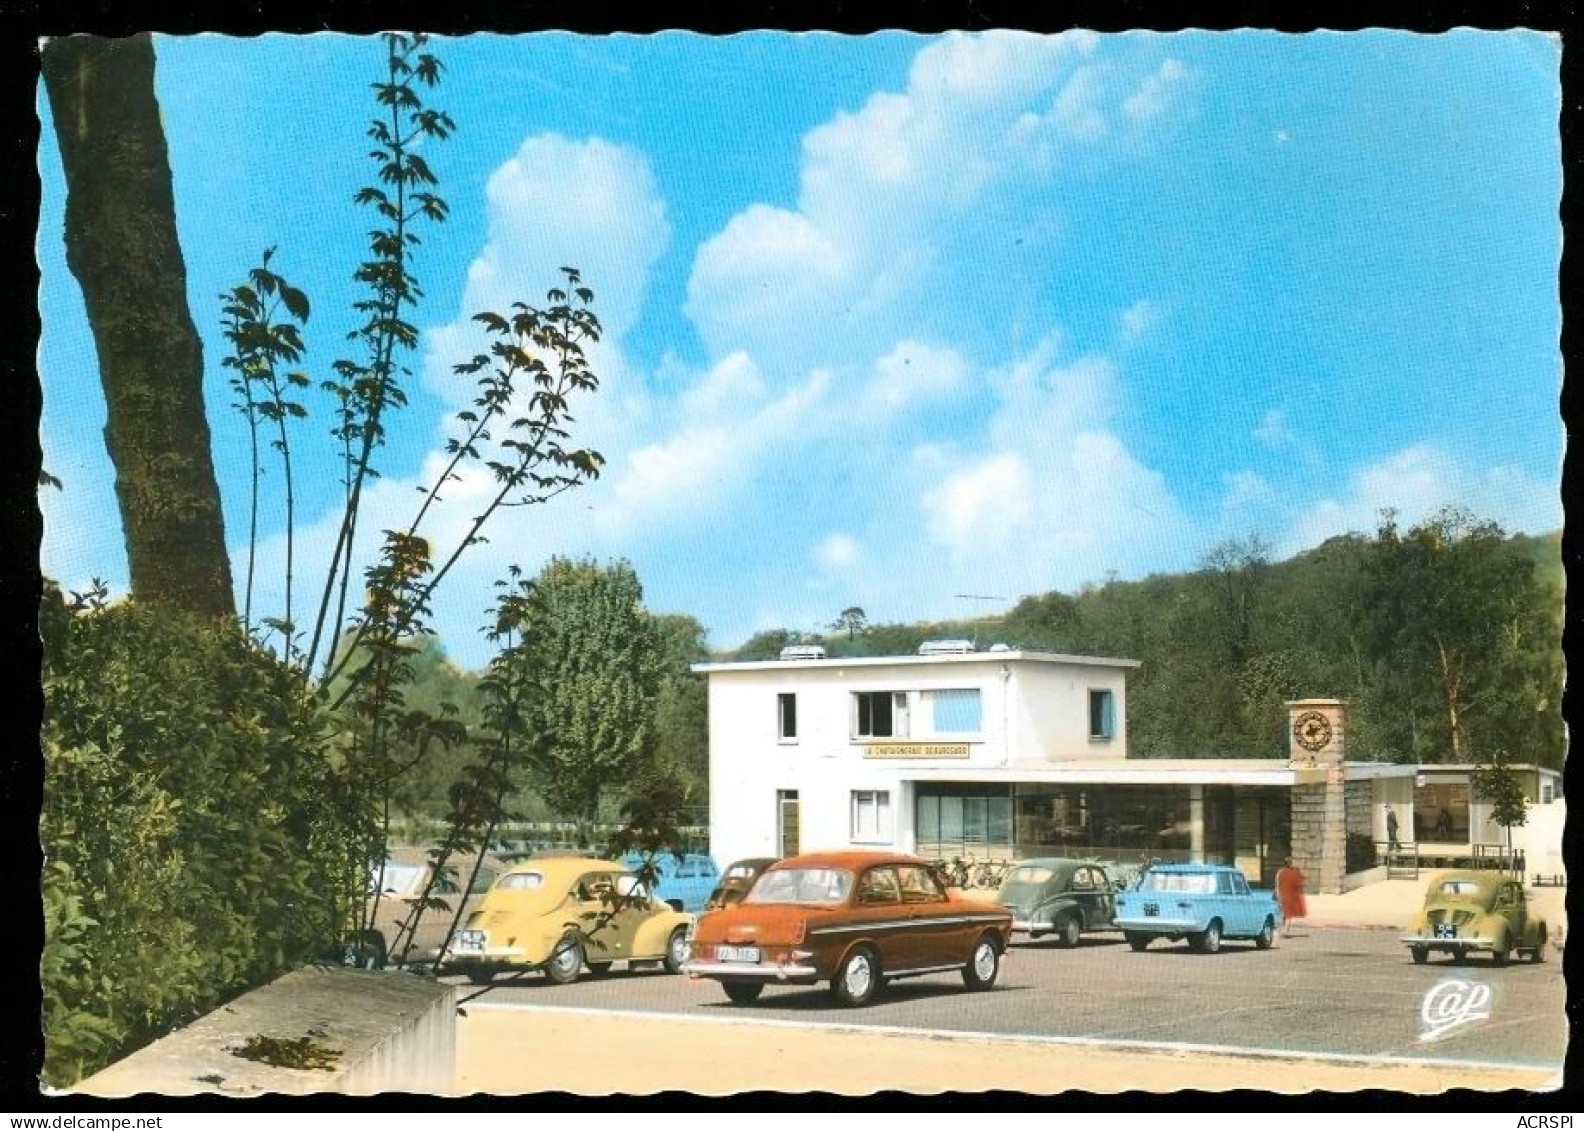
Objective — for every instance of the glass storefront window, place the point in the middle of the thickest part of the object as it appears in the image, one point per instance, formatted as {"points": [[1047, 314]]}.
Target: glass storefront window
{"points": [[1441, 812], [1052, 820]]}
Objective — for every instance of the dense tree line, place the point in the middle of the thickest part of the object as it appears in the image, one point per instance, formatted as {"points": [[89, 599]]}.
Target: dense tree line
{"points": [[1445, 638]]}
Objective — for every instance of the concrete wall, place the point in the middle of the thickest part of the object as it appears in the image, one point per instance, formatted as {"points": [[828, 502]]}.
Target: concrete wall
{"points": [[394, 1031]]}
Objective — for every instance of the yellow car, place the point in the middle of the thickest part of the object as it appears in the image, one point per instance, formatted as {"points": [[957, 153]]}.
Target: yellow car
{"points": [[557, 914]]}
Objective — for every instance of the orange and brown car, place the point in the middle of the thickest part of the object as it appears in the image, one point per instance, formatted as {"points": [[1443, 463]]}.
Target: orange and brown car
{"points": [[853, 919]]}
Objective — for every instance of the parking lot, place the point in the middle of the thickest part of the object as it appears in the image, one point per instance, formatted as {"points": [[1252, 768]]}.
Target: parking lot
{"points": [[1324, 991]]}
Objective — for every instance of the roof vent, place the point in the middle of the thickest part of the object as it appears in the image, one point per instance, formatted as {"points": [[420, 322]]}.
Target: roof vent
{"points": [[945, 647], [1000, 647], [802, 652]]}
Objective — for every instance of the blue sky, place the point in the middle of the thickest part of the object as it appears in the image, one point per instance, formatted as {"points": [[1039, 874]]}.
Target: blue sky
{"points": [[894, 318]]}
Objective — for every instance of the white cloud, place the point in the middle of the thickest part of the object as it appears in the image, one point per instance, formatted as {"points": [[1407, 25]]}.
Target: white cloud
{"points": [[1058, 498], [1138, 319], [885, 188], [838, 551], [1273, 431], [1419, 480], [913, 371], [981, 507], [1246, 489], [1156, 93]]}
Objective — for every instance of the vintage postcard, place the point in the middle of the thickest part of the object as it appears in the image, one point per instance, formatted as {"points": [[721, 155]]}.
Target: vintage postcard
{"points": [[801, 562]]}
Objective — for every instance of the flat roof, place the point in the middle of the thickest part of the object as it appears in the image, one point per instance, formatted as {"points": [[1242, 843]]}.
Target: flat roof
{"points": [[1466, 767], [1148, 771], [891, 661]]}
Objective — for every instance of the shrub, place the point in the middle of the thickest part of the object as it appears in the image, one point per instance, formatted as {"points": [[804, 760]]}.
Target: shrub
{"points": [[191, 826]]}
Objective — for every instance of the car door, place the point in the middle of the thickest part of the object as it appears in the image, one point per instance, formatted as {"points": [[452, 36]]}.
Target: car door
{"points": [[1511, 905], [1250, 915], [606, 921], [936, 935], [877, 906], [1097, 902], [1081, 890]]}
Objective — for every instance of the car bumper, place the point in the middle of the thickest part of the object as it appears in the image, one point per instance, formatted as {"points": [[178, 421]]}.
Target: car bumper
{"points": [[787, 973], [490, 954], [1433, 943], [1160, 926], [1030, 927]]}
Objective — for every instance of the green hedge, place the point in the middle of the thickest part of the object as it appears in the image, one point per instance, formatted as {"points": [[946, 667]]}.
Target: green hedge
{"points": [[193, 827]]}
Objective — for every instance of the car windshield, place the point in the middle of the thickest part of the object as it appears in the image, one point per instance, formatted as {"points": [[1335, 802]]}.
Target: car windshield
{"points": [[1198, 883], [1030, 875], [802, 885], [399, 878], [520, 881], [1460, 888]]}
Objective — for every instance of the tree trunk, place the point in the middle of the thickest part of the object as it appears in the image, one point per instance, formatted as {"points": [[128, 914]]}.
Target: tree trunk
{"points": [[121, 245], [1452, 686]]}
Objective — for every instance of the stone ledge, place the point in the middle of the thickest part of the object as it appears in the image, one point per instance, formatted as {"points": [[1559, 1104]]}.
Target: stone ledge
{"points": [[393, 1032]]}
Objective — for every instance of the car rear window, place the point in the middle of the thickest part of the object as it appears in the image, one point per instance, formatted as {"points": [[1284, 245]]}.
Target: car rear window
{"points": [[399, 878], [1028, 875], [802, 885], [738, 872], [1460, 887], [521, 881]]}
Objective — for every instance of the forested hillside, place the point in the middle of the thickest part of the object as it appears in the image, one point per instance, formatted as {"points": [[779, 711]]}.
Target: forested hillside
{"points": [[1445, 638]]}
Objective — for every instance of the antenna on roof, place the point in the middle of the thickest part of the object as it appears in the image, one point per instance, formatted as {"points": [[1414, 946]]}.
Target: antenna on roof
{"points": [[977, 597]]}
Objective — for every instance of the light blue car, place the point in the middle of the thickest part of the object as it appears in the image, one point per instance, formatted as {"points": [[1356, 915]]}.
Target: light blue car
{"points": [[1203, 903], [685, 884]]}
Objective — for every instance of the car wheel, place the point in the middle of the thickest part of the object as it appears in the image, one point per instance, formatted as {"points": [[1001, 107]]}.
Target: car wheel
{"points": [[1209, 941], [983, 964], [1267, 933], [1459, 957], [743, 993], [858, 978], [1538, 953], [599, 969], [1499, 957], [1421, 954], [676, 953], [566, 963], [1137, 941], [480, 975], [1069, 931]]}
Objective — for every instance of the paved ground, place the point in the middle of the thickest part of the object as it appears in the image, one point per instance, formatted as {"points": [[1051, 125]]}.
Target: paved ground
{"points": [[1326, 991]]}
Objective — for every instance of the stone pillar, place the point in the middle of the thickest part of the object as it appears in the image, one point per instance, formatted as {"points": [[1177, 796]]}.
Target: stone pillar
{"points": [[1317, 744], [1196, 832]]}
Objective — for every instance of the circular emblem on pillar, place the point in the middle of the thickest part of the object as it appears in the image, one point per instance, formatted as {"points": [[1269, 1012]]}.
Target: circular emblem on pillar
{"points": [[1312, 730]]}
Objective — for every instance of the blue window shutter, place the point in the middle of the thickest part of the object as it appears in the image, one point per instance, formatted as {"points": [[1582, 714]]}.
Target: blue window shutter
{"points": [[956, 711], [1107, 716]]}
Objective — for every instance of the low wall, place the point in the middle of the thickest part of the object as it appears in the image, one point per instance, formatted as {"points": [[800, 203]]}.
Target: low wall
{"points": [[368, 1031]]}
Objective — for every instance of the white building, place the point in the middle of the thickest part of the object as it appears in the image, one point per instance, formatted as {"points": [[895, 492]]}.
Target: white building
{"points": [[1009, 753]]}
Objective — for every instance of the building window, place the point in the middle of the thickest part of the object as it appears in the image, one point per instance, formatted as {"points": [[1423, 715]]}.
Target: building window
{"points": [[1102, 720], [880, 714], [871, 815], [786, 717], [955, 711], [1546, 794]]}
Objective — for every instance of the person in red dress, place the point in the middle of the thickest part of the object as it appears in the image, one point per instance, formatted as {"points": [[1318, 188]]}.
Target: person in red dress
{"points": [[1290, 894]]}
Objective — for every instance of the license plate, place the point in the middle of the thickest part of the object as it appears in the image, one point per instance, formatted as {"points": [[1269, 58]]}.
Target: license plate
{"points": [[470, 940], [1152, 909], [737, 953], [1445, 931]]}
